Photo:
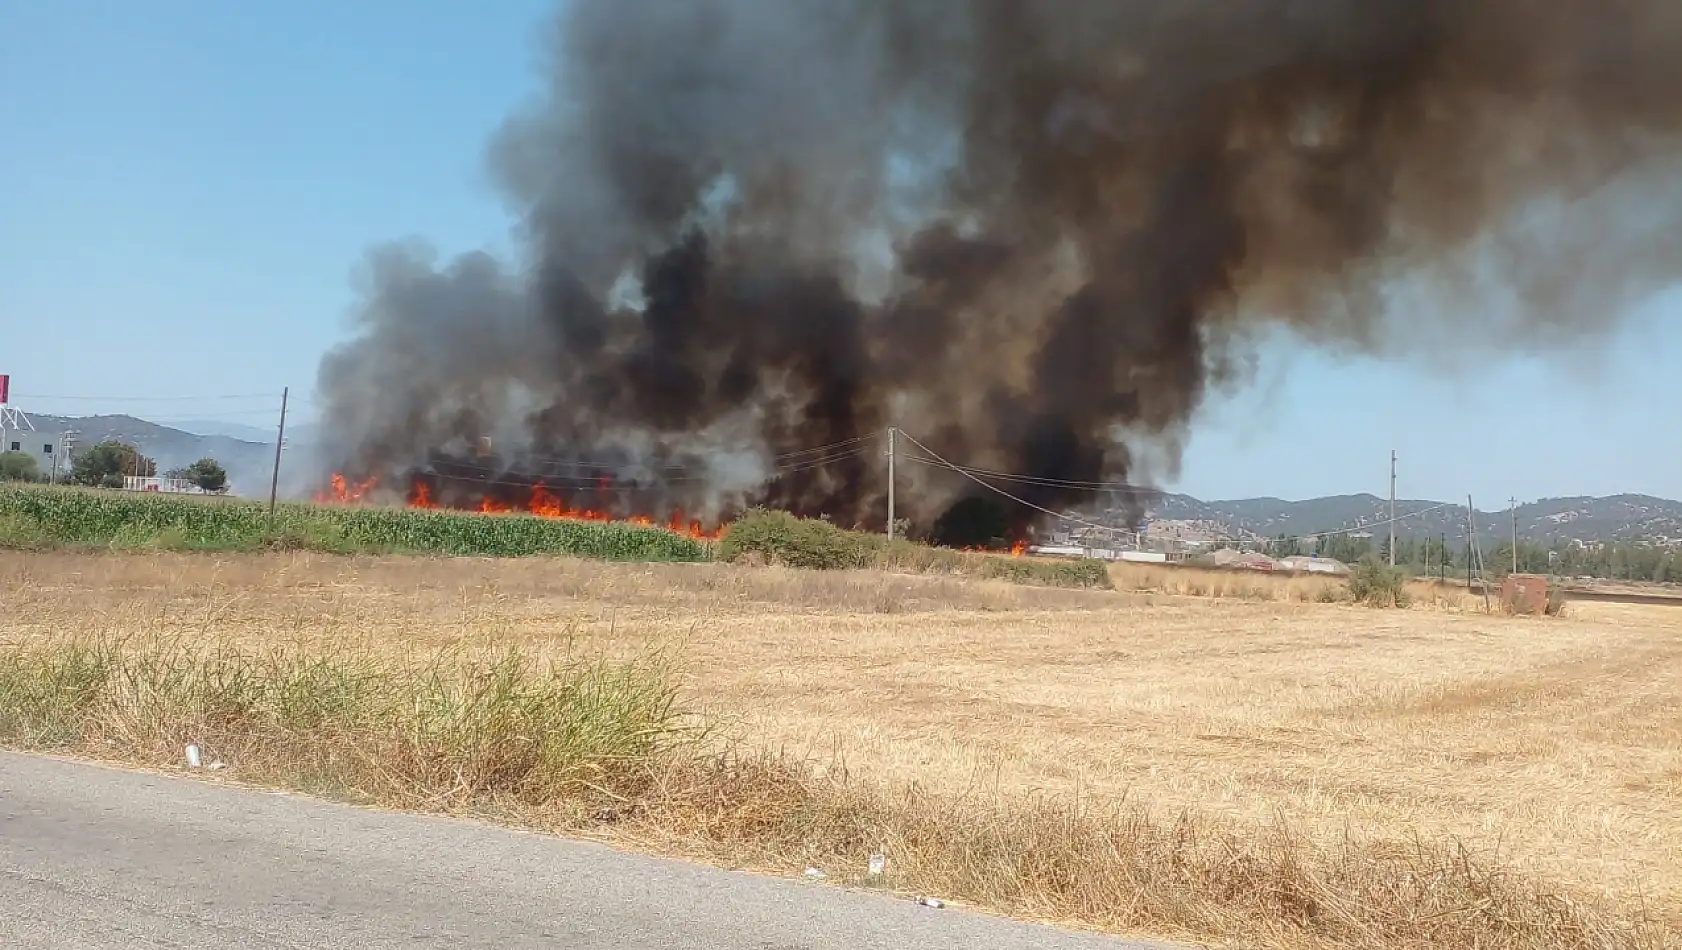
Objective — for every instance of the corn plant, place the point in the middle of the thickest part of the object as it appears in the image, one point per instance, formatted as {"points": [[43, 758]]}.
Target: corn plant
{"points": [[33, 516]]}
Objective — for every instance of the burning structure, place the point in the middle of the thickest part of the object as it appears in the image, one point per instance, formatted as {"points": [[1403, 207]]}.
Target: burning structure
{"points": [[1033, 234]]}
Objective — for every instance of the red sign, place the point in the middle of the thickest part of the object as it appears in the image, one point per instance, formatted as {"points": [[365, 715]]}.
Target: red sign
{"points": [[5, 389]]}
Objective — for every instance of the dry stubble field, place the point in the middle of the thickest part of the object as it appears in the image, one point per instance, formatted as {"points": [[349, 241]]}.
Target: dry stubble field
{"points": [[1557, 742]]}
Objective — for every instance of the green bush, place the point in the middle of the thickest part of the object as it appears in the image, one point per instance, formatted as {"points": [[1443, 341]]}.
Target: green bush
{"points": [[33, 515], [777, 537], [1376, 584], [1058, 572], [19, 467]]}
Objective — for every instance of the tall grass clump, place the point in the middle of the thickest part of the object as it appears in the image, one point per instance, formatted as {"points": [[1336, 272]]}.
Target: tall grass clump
{"points": [[1119, 866], [452, 731], [35, 516], [777, 537], [581, 744], [1376, 584]]}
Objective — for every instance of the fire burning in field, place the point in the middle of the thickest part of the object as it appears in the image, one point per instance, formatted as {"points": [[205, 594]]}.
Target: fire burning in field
{"points": [[343, 491], [538, 501]]}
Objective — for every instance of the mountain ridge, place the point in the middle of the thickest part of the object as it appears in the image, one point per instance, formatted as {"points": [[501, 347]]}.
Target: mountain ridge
{"points": [[1584, 518]]}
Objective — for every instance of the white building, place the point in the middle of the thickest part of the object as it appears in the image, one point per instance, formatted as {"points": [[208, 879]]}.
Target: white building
{"points": [[46, 448], [168, 486], [18, 434]]}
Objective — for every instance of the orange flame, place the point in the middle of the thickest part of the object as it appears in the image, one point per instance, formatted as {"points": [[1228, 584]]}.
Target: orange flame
{"points": [[541, 502], [1018, 549], [340, 491]]}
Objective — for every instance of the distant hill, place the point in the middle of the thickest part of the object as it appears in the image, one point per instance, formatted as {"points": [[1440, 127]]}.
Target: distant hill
{"points": [[1613, 518], [249, 463], [232, 430]]}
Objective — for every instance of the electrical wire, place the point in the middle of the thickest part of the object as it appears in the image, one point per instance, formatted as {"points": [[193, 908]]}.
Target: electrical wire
{"points": [[796, 457], [994, 488], [971, 473], [819, 463], [494, 475], [1032, 479], [227, 398], [825, 448]]}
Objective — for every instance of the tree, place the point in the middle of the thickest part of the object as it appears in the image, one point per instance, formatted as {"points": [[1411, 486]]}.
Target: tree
{"points": [[1345, 548], [1284, 547], [207, 474], [19, 467], [105, 465]]}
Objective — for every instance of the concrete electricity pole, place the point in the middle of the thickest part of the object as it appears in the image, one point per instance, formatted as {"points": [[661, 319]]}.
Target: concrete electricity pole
{"points": [[1392, 507], [69, 452], [280, 440], [891, 432]]}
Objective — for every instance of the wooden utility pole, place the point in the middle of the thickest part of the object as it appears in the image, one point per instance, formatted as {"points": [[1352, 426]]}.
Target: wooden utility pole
{"points": [[1477, 553], [280, 440], [891, 441], [1392, 507], [1512, 511], [1471, 533], [1442, 563]]}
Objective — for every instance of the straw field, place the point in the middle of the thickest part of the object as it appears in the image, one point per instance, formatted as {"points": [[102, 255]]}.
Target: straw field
{"points": [[1291, 773]]}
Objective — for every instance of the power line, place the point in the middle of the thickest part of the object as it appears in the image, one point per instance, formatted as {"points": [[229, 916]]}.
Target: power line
{"points": [[1358, 526], [1042, 481], [969, 472], [601, 470], [222, 398], [795, 457], [935, 456], [819, 463], [825, 448], [613, 484], [220, 414]]}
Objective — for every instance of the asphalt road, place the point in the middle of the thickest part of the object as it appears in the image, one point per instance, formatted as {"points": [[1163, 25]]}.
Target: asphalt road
{"points": [[99, 859]]}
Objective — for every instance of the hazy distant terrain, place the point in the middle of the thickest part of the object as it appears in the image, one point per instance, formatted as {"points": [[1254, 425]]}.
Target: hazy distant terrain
{"points": [[248, 453], [249, 461], [1611, 518]]}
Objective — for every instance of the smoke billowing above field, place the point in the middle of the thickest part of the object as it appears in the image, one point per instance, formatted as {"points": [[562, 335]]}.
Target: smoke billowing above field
{"points": [[1033, 234]]}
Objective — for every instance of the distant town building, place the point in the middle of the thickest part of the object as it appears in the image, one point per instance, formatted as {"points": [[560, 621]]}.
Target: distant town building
{"points": [[168, 486], [1314, 565], [47, 448], [18, 434]]}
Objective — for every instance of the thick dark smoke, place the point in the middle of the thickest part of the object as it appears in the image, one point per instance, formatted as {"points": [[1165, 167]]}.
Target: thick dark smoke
{"points": [[1032, 234]]}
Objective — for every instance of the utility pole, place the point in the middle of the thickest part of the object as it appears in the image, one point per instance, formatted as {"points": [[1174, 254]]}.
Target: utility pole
{"points": [[280, 439], [69, 452], [1477, 552], [1471, 534], [891, 433], [1442, 559], [1392, 507], [1512, 511]]}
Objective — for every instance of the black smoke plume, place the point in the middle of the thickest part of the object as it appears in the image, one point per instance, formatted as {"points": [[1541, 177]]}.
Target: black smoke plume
{"points": [[1032, 234]]}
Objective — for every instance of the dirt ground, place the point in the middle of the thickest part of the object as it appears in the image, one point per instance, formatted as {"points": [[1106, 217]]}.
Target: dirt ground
{"points": [[1558, 742]]}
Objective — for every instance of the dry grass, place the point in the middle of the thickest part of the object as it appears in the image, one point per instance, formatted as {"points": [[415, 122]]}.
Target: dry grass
{"points": [[1298, 774], [1283, 588]]}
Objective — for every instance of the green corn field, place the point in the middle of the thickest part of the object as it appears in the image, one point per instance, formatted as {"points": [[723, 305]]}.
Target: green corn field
{"points": [[38, 516]]}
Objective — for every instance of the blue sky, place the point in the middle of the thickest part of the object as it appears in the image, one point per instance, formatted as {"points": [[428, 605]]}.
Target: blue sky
{"points": [[186, 189]]}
